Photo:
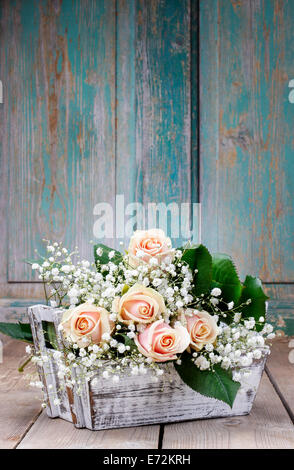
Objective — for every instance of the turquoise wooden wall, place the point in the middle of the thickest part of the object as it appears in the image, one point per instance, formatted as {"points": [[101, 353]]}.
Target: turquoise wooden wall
{"points": [[247, 141], [159, 100]]}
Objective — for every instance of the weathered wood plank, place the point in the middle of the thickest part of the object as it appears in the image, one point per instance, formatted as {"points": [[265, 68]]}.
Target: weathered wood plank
{"points": [[282, 371], [59, 434], [280, 291], [163, 96], [19, 404], [246, 133], [267, 427], [128, 166], [58, 70]]}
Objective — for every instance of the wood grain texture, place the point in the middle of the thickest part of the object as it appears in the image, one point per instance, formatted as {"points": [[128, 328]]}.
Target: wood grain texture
{"points": [[128, 165], [163, 97], [138, 400], [98, 102], [48, 372], [246, 134], [59, 72], [281, 372], [63, 435], [281, 307], [267, 427], [20, 405], [101, 98]]}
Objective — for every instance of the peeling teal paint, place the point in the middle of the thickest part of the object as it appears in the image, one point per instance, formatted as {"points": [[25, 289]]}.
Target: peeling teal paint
{"points": [[101, 98]]}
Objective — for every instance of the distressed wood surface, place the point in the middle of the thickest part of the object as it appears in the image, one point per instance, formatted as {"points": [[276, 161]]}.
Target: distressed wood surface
{"points": [[128, 164], [163, 94], [281, 372], [107, 91], [138, 400], [58, 66], [48, 371], [246, 133], [63, 435], [19, 405], [98, 101], [281, 307], [267, 427]]}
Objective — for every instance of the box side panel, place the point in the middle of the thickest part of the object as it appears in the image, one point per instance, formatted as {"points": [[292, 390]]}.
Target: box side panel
{"points": [[48, 372], [137, 401]]}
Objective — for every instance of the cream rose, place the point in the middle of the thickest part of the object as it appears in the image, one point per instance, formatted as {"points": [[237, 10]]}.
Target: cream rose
{"points": [[161, 342], [140, 304], [86, 324], [202, 329], [147, 244]]}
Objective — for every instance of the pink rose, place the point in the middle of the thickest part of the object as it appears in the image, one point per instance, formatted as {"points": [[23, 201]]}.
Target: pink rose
{"points": [[147, 244], [140, 304], [202, 329], [161, 342], [86, 324]]}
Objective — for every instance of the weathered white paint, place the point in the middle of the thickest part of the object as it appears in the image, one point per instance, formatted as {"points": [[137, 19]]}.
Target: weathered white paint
{"points": [[135, 400]]}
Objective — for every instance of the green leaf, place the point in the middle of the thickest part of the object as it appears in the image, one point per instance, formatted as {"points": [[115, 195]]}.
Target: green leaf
{"points": [[49, 335], [20, 331], [252, 289], [225, 276], [218, 384], [127, 341], [199, 258], [23, 332], [104, 259]]}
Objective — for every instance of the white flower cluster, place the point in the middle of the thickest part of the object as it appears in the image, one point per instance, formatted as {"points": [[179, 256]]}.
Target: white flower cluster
{"points": [[81, 282], [78, 282], [237, 347]]}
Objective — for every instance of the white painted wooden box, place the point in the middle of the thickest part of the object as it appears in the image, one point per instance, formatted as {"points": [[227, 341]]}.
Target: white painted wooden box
{"points": [[134, 400]]}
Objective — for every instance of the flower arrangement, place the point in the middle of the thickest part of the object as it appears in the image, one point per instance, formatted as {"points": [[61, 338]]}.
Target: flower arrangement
{"points": [[132, 313]]}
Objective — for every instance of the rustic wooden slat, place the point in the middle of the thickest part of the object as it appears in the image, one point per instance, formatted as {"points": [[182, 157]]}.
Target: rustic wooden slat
{"points": [[281, 371], [48, 371], [128, 166], [59, 434], [280, 291], [59, 72], [246, 133], [163, 96], [19, 404], [267, 427]]}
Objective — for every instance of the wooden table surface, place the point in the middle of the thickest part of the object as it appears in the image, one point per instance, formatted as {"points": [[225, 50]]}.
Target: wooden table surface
{"points": [[23, 425]]}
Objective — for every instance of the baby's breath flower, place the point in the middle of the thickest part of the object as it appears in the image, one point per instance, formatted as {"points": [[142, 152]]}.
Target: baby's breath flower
{"points": [[99, 252], [216, 292]]}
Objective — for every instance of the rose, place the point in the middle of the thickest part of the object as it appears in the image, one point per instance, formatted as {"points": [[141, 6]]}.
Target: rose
{"points": [[202, 329], [161, 342], [147, 244], [140, 304], [86, 324]]}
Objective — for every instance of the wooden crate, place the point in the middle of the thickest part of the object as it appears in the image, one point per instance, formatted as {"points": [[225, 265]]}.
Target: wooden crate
{"points": [[134, 400]]}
